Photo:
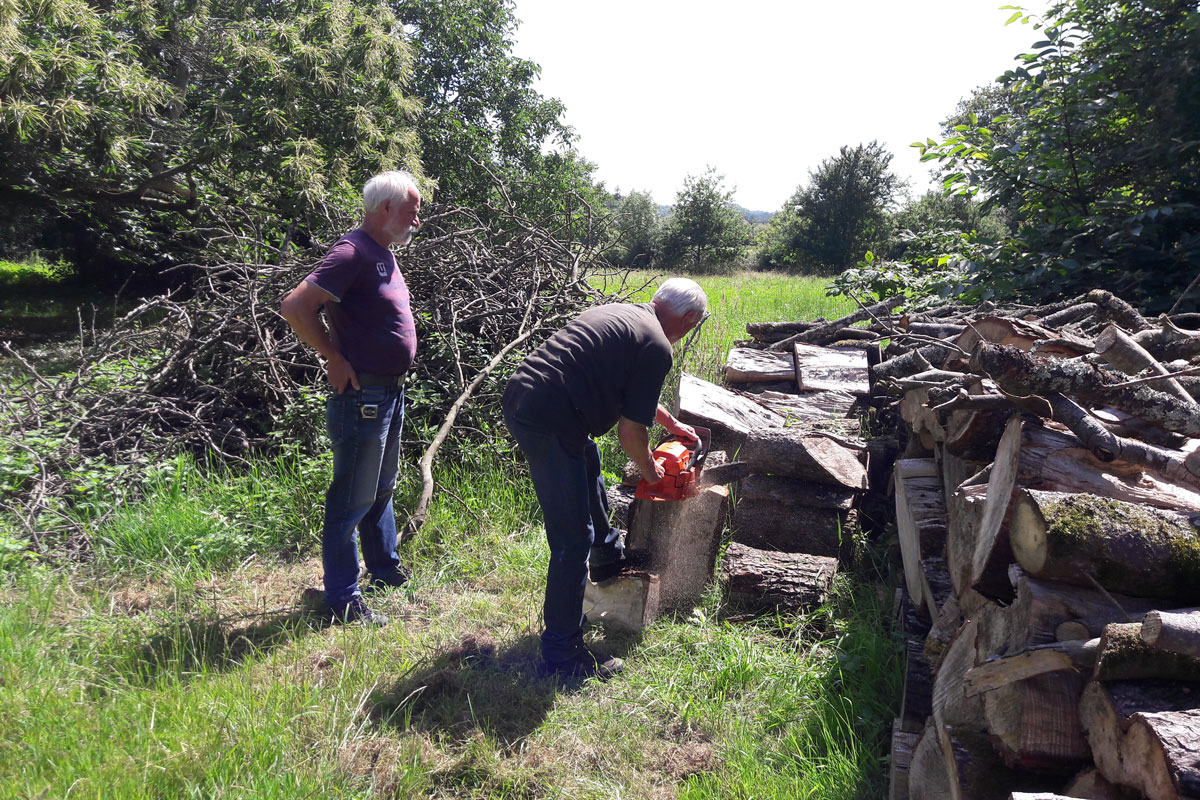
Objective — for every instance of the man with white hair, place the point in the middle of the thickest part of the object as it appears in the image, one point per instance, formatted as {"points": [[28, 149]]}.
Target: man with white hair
{"points": [[368, 346], [605, 368]]}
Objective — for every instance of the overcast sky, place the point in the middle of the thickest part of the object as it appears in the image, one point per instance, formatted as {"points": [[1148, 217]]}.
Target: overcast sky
{"points": [[763, 90]]}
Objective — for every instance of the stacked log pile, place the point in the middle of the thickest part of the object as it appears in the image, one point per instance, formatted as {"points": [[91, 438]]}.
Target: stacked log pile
{"points": [[1047, 506]]}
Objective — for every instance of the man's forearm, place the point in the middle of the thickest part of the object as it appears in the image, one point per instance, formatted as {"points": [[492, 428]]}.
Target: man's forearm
{"points": [[635, 441]]}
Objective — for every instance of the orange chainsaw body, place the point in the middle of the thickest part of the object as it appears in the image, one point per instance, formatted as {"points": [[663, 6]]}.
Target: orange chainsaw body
{"points": [[681, 463]]}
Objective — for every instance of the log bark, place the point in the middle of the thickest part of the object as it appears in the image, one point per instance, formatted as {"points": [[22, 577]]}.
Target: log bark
{"points": [[760, 331], [783, 582], [1078, 538], [1067, 316], [917, 703], [1165, 745], [791, 527], [903, 743], [620, 501], [1035, 724], [1175, 632], [1106, 710], [1124, 656], [1118, 310], [795, 453], [822, 333], [1021, 374], [806, 406], [830, 369]]}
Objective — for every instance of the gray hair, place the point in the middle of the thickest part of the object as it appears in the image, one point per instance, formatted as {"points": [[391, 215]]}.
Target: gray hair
{"points": [[392, 185], [681, 295]]}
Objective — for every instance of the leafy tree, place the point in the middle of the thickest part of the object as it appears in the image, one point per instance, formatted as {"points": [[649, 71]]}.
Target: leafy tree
{"points": [[842, 212], [937, 211], [1099, 157], [637, 228], [705, 232], [131, 135]]}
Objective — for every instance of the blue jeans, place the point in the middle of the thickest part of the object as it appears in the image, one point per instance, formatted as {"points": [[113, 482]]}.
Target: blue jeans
{"points": [[570, 489], [366, 460]]}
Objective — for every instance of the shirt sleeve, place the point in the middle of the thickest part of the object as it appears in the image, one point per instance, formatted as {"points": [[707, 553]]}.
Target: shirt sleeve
{"points": [[338, 271], [639, 401]]}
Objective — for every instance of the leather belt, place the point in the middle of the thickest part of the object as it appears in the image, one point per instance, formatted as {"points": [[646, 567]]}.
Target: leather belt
{"points": [[367, 379]]}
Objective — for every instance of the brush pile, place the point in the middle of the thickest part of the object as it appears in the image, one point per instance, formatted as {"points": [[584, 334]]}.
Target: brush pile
{"points": [[219, 373], [1047, 504]]}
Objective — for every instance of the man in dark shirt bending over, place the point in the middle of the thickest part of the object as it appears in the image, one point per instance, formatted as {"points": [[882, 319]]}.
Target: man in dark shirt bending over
{"points": [[606, 368], [368, 346]]}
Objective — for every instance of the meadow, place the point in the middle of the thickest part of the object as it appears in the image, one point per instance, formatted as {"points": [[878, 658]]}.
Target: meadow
{"points": [[186, 656]]}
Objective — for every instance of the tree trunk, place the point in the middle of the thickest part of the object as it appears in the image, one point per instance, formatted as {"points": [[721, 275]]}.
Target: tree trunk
{"points": [[1123, 352], [822, 333], [1175, 632], [1164, 746], [1021, 374], [774, 331], [1124, 656], [1106, 710], [1077, 538], [786, 451], [783, 582]]}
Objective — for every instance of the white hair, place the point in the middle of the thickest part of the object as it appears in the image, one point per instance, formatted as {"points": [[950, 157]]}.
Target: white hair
{"points": [[681, 295], [392, 185]]}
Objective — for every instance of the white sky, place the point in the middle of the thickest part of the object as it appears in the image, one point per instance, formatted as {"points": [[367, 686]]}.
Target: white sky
{"points": [[763, 90]]}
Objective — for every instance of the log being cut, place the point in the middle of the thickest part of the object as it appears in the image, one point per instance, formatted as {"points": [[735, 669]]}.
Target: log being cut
{"points": [[800, 454], [730, 416]]}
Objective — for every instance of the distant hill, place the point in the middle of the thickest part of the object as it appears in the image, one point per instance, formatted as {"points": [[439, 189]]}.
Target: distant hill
{"points": [[753, 217]]}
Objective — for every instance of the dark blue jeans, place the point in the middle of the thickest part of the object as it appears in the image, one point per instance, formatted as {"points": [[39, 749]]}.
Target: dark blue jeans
{"points": [[366, 460], [570, 488]]}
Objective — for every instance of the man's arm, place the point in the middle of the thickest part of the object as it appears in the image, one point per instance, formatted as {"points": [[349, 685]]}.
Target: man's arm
{"points": [[635, 441], [301, 310], [674, 426]]}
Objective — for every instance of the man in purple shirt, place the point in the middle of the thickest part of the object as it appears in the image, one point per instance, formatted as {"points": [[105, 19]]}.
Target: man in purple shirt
{"points": [[368, 346]]}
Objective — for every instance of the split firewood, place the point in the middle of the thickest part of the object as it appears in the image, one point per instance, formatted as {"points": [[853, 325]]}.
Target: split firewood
{"points": [[830, 369], [915, 410], [801, 454], [951, 703], [1177, 632], [1019, 334], [1171, 465], [951, 762], [746, 365], [1019, 373], [628, 602], [964, 514], [1123, 352], [1164, 744], [1004, 670], [927, 778], [1124, 656], [1091, 785], [903, 743], [1081, 538], [1106, 711], [822, 333], [783, 582], [943, 627], [916, 704], [920, 521], [1034, 723], [730, 416]]}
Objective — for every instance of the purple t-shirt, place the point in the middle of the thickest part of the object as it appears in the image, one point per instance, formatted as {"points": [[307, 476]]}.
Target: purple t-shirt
{"points": [[371, 323]]}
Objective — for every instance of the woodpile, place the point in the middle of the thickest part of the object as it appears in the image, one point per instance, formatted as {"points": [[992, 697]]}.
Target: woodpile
{"points": [[1047, 503]]}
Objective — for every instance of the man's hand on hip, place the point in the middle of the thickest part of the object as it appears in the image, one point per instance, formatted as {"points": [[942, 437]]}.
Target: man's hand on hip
{"points": [[341, 374]]}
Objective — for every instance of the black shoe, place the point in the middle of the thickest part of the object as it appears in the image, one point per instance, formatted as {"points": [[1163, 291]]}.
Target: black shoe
{"points": [[633, 559], [356, 610], [587, 664], [392, 580]]}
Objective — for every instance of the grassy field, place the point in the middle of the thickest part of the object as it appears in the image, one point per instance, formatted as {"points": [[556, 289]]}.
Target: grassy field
{"points": [[184, 659]]}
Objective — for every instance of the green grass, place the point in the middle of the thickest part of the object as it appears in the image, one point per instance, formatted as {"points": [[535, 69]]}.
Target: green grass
{"points": [[186, 659]]}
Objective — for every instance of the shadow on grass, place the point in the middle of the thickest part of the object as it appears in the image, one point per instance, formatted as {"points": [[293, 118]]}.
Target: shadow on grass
{"points": [[211, 643], [477, 687]]}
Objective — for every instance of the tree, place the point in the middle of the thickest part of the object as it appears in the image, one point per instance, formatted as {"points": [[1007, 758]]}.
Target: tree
{"points": [[705, 232], [637, 230], [827, 225], [145, 134], [1099, 156]]}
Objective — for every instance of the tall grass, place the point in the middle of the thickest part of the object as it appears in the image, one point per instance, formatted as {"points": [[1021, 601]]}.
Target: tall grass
{"points": [[186, 659]]}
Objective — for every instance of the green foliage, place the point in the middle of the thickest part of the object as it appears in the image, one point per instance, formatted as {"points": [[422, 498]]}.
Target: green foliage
{"points": [[705, 232], [841, 213], [637, 230], [1097, 155], [129, 135]]}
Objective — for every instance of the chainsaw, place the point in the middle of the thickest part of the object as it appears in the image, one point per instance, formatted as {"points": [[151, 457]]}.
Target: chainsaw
{"points": [[682, 464]]}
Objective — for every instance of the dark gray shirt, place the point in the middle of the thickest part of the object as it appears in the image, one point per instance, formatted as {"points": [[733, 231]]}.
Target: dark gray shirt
{"points": [[610, 362]]}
